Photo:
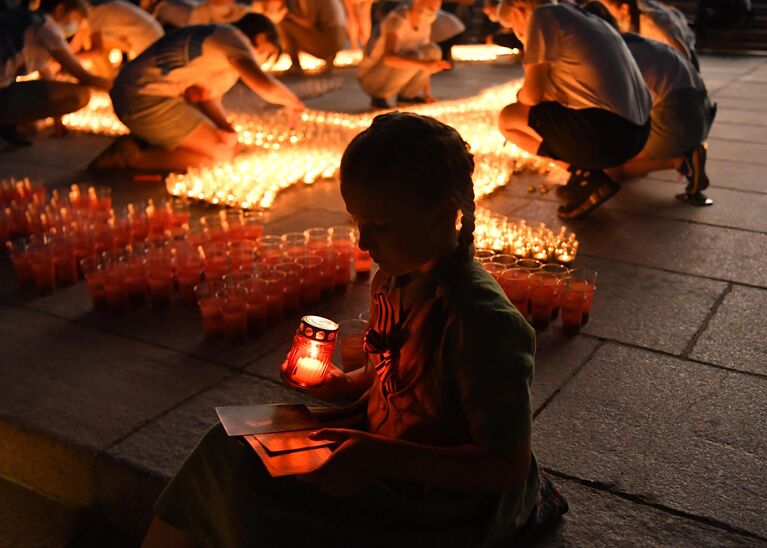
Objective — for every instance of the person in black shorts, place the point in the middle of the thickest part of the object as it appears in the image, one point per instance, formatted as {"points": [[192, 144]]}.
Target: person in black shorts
{"points": [[583, 103]]}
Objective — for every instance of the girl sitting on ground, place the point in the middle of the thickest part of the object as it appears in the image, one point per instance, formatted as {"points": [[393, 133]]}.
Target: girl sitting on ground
{"points": [[583, 102], [681, 115], [170, 95], [402, 57], [28, 42], [443, 455]]}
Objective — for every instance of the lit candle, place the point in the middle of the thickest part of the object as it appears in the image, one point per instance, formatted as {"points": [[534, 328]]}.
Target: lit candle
{"points": [[309, 371]]}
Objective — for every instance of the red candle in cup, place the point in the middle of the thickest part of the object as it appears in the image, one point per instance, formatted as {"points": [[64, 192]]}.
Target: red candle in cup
{"points": [[342, 240], [42, 265], [234, 311], [188, 274], [585, 280], [292, 284], [328, 269], [64, 256], [311, 279], [253, 225], [516, 284], [274, 287], [317, 238], [309, 358], [212, 320], [543, 292], [136, 278], [572, 305], [363, 263], [159, 276], [18, 251], [256, 305], [94, 277]]}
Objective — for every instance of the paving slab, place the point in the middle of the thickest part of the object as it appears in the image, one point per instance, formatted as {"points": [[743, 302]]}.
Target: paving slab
{"points": [[736, 103], [74, 152], [681, 434], [738, 132], [648, 307], [714, 252], [654, 197], [600, 519], [735, 151], [744, 90], [735, 336], [308, 218], [741, 116], [744, 176]]}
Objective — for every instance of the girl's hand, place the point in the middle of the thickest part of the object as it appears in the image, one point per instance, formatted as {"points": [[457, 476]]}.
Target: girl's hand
{"points": [[334, 387], [350, 468]]}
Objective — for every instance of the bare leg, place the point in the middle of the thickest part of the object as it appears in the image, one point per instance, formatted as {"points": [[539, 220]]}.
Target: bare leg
{"points": [[639, 167], [513, 125], [162, 535], [364, 10], [38, 99]]}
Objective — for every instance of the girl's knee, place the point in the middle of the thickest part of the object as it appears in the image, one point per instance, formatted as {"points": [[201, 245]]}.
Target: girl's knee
{"points": [[432, 52], [513, 116], [82, 97]]}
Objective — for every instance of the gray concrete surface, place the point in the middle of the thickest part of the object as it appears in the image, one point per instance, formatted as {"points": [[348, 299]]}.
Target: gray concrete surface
{"points": [[653, 419]]}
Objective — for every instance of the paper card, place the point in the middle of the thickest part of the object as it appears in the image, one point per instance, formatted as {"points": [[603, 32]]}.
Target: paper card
{"points": [[297, 440], [291, 463], [243, 420]]}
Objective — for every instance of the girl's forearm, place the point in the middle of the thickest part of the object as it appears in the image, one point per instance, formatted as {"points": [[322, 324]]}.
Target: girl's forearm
{"points": [[399, 61], [462, 468]]}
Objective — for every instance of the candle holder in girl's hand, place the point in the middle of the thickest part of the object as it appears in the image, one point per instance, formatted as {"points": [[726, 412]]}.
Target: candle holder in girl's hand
{"points": [[311, 353]]}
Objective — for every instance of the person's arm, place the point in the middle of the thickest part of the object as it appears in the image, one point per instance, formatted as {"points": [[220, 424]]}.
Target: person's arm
{"points": [[340, 387], [70, 64], [264, 85], [536, 77], [213, 109], [96, 49], [394, 60]]}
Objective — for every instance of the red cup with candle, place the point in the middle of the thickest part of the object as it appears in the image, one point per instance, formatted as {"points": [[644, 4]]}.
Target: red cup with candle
{"points": [[560, 272], [18, 252], [253, 224], [328, 269], [585, 279], [484, 255], [544, 288], [311, 279], [351, 335], [274, 287], [363, 263], [216, 263], [531, 265], [256, 305], [309, 358], [572, 304], [42, 265], [342, 240], [115, 287], [234, 311], [212, 320], [136, 277], [159, 276], [317, 238], [292, 241], [188, 274], [495, 269], [516, 284], [268, 246], [292, 284], [64, 256], [94, 277]]}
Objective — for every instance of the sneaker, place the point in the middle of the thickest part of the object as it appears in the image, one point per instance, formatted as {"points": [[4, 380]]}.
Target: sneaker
{"points": [[593, 192], [405, 101], [693, 168], [379, 104], [697, 199], [14, 137]]}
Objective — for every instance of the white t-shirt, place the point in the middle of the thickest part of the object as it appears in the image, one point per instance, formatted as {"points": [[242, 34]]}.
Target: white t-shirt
{"points": [[408, 38], [661, 22], [26, 40], [174, 13], [663, 68], [591, 67], [191, 56], [124, 25]]}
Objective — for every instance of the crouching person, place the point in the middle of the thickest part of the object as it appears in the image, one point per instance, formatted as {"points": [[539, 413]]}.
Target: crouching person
{"points": [[583, 103]]}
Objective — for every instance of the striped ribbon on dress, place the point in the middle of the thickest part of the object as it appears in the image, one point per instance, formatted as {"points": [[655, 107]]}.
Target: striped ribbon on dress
{"points": [[378, 340]]}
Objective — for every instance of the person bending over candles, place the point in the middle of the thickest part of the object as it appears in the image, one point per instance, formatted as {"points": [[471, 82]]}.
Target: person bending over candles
{"points": [[657, 21], [583, 102], [170, 95], [317, 27], [443, 455], [402, 56], [28, 42], [114, 24], [681, 115]]}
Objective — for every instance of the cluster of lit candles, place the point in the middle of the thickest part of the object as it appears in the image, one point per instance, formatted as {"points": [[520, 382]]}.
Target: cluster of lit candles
{"points": [[543, 291]]}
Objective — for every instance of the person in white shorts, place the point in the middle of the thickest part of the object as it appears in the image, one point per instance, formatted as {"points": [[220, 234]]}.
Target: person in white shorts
{"points": [[28, 42], [402, 56], [583, 102], [681, 115], [170, 95], [317, 27], [114, 24]]}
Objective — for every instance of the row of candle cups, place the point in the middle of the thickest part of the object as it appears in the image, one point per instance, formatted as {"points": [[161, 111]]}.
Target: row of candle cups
{"points": [[542, 292]]}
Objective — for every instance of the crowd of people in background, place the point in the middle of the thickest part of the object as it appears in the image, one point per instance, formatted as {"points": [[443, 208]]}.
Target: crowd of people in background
{"points": [[612, 89]]}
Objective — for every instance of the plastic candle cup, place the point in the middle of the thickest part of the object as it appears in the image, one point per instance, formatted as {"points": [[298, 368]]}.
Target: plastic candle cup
{"points": [[115, 286], [268, 246], [292, 285], [293, 241], [309, 358], [550, 281], [94, 277], [572, 311], [42, 265], [363, 263], [585, 280], [255, 305], [351, 334], [212, 320], [495, 269], [516, 284], [188, 274], [253, 224], [342, 239], [560, 272], [311, 279], [484, 255], [64, 257], [234, 311], [18, 252], [274, 289], [136, 278], [541, 297], [328, 269]]}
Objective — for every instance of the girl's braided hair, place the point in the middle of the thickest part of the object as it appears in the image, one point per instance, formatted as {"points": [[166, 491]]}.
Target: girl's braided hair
{"points": [[420, 159]]}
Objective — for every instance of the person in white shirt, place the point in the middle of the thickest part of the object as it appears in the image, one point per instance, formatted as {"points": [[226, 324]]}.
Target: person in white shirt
{"points": [[583, 103], [402, 56], [114, 24], [170, 95], [317, 27], [681, 115], [28, 41], [655, 20], [182, 13]]}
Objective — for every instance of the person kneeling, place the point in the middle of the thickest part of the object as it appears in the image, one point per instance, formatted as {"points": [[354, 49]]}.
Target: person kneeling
{"points": [[583, 103], [403, 57], [170, 95]]}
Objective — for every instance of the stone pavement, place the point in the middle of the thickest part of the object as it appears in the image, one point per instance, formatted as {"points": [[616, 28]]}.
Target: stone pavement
{"points": [[654, 419]]}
